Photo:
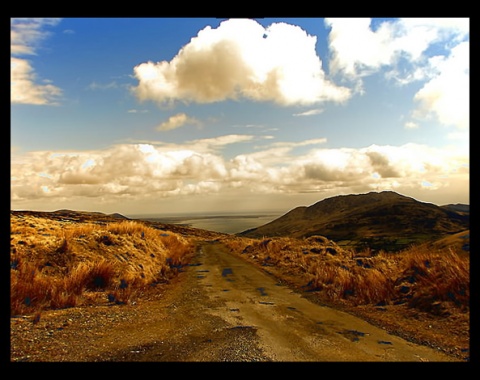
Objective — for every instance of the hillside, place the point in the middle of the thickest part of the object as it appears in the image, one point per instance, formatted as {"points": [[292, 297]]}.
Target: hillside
{"points": [[379, 220]]}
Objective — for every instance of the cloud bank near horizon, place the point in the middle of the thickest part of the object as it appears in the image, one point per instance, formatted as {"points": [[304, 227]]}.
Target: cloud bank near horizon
{"points": [[150, 171]]}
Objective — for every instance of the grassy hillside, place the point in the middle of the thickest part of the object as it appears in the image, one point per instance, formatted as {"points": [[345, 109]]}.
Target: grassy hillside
{"points": [[384, 220], [67, 259]]}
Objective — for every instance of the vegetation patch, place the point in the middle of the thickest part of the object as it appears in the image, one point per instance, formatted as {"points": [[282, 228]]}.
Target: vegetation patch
{"points": [[77, 263]]}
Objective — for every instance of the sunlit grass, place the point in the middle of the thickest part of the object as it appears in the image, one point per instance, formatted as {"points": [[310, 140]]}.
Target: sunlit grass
{"points": [[57, 265]]}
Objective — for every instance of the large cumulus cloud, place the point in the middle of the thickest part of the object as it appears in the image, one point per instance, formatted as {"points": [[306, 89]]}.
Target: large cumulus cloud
{"points": [[241, 58]]}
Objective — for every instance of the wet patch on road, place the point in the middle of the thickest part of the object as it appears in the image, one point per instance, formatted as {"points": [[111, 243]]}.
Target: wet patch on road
{"points": [[202, 271], [240, 327], [353, 335], [226, 272], [384, 342], [262, 291]]}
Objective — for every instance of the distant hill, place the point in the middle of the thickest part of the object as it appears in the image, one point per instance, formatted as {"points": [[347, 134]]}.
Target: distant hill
{"points": [[88, 214], [383, 220], [73, 215], [459, 207]]}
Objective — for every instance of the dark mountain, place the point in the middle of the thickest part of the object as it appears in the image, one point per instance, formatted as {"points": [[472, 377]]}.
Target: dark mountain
{"points": [[380, 220], [458, 207], [116, 215], [74, 216]]}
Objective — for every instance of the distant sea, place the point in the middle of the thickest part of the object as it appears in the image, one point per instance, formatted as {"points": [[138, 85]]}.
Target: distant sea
{"points": [[230, 223]]}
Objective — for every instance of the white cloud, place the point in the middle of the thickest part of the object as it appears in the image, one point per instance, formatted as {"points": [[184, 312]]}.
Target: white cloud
{"points": [[99, 86], [447, 95], [137, 111], [24, 87], [26, 34], [241, 59], [411, 125], [400, 47], [177, 121], [309, 112], [358, 50], [222, 140]]}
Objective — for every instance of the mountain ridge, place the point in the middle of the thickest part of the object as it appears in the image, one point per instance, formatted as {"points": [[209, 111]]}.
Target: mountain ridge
{"points": [[375, 217]]}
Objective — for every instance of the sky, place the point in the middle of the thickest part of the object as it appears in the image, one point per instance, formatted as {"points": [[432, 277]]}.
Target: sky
{"points": [[187, 115]]}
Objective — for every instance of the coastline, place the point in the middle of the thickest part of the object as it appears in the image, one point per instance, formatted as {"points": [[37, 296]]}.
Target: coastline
{"points": [[219, 222]]}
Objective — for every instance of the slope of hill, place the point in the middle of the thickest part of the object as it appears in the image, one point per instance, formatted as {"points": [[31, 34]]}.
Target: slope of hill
{"points": [[379, 220], [458, 207]]}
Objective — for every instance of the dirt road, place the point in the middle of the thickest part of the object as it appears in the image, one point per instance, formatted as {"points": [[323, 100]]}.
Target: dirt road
{"points": [[230, 310]]}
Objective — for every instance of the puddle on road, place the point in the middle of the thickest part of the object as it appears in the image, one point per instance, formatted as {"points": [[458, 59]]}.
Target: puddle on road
{"points": [[262, 291], [353, 335], [228, 272], [240, 327], [202, 271]]}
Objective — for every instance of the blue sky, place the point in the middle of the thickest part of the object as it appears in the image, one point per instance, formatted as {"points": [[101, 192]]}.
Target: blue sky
{"points": [[154, 115]]}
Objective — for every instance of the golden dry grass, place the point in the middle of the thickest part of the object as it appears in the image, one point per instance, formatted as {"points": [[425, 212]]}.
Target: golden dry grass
{"points": [[58, 264], [423, 277]]}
